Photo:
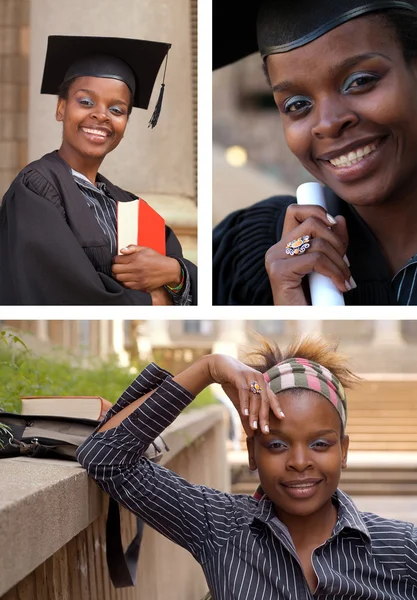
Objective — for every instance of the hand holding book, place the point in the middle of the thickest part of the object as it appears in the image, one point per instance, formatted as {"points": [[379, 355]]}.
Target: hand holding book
{"points": [[144, 269]]}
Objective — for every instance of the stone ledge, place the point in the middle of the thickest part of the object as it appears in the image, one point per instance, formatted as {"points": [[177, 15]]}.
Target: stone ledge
{"points": [[45, 503]]}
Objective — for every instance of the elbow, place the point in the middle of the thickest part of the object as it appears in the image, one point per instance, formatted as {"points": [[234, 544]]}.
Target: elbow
{"points": [[86, 456]]}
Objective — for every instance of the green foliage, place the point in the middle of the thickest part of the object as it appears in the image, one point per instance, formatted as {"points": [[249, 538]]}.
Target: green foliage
{"points": [[203, 399], [23, 373]]}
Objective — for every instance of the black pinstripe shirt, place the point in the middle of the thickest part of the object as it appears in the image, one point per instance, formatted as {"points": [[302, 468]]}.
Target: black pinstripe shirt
{"points": [[246, 553], [405, 283], [103, 207]]}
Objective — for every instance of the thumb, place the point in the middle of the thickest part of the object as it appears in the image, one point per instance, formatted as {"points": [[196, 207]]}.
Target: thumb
{"points": [[131, 249], [340, 229]]}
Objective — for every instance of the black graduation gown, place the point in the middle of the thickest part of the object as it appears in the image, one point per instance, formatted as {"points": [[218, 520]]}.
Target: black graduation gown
{"points": [[242, 239], [52, 249]]}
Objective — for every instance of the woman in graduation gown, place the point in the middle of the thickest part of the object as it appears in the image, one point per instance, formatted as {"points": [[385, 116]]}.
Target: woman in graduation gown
{"points": [[58, 230], [344, 79]]}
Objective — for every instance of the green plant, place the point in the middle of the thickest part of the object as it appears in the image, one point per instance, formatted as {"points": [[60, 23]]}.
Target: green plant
{"points": [[23, 373]]}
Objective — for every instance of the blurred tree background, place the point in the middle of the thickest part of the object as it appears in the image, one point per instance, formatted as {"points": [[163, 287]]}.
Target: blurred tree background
{"points": [[25, 373]]}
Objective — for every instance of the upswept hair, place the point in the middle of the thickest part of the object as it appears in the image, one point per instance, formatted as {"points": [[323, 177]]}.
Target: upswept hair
{"points": [[311, 347]]}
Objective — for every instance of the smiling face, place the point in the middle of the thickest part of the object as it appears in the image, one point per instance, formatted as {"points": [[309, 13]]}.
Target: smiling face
{"points": [[300, 460], [94, 117], [348, 102]]}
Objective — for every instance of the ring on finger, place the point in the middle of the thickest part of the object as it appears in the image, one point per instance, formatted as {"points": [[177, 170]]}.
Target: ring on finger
{"points": [[255, 388], [298, 246]]}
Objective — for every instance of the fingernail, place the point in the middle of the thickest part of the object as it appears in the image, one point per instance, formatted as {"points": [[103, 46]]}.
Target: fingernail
{"points": [[281, 413], [348, 286], [266, 429], [246, 412], [353, 284], [255, 425], [345, 258], [331, 219]]}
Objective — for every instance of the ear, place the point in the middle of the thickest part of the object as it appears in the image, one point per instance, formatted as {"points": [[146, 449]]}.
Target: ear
{"points": [[345, 447], [250, 444], [60, 109]]}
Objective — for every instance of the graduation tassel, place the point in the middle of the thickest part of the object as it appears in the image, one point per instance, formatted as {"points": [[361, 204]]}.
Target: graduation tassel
{"points": [[157, 111], [154, 119]]}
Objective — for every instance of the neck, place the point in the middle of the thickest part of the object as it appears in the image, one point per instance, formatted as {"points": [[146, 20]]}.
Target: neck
{"points": [[393, 224], [86, 165], [312, 529]]}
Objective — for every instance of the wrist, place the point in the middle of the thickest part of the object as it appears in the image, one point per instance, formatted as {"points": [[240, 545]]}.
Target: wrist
{"points": [[174, 274], [196, 377]]}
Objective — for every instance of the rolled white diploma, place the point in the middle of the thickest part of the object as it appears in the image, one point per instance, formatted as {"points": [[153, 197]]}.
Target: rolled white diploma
{"points": [[322, 289]]}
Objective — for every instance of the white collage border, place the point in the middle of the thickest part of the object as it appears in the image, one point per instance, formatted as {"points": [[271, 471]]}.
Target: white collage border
{"points": [[205, 310]]}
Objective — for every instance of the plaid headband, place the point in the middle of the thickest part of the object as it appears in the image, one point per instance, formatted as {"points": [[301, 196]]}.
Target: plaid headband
{"points": [[307, 374]]}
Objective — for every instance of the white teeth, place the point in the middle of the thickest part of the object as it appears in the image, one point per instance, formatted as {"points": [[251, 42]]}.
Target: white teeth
{"points": [[354, 156], [302, 485], [95, 132]]}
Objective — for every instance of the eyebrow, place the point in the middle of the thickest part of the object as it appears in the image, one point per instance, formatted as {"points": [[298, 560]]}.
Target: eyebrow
{"points": [[315, 434], [93, 93], [286, 85]]}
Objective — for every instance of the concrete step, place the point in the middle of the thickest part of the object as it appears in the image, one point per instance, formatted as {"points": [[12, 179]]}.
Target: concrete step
{"points": [[360, 479], [348, 476], [382, 446], [376, 445], [358, 489], [380, 429]]}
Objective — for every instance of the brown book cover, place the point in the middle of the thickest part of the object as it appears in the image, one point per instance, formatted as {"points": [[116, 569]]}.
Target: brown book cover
{"points": [[85, 407]]}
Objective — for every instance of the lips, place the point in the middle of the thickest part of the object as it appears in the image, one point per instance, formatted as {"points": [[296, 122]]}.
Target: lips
{"points": [[96, 134], [353, 146], [301, 488], [354, 156], [360, 162]]}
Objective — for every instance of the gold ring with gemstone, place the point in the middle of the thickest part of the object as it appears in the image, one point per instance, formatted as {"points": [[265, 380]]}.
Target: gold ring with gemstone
{"points": [[298, 246], [255, 388]]}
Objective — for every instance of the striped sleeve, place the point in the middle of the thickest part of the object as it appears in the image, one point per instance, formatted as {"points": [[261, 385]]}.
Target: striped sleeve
{"points": [[195, 517], [411, 549]]}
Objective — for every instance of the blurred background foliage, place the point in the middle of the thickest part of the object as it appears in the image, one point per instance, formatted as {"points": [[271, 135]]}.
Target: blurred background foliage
{"points": [[25, 373]]}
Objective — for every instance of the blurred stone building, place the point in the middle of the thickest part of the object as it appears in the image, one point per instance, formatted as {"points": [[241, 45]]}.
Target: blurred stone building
{"points": [[245, 115], [158, 164], [380, 346]]}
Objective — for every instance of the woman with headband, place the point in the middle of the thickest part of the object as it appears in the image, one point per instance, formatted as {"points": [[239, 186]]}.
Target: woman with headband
{"points": [[58, 220], [343, 74], [301, 537]]}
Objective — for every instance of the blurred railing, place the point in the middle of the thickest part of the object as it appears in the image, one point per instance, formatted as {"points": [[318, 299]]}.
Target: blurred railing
{"points": [[52, 524]]}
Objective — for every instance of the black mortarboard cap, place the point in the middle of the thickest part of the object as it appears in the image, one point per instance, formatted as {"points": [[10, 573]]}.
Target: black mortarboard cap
{"points": [[275, 26], [135, 62]]}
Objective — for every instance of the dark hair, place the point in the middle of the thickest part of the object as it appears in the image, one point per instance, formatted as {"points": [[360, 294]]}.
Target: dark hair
{"points": [[311, 347], [404, 24], [65, 87]]}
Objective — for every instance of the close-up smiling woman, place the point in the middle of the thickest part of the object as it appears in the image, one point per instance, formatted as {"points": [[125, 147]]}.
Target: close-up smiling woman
{"points": [[58, 220], [343, 75]]}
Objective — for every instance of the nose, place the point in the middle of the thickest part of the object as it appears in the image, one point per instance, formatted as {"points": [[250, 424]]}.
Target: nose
{"points": [[333, 117], [100, 114], [299, 459]]}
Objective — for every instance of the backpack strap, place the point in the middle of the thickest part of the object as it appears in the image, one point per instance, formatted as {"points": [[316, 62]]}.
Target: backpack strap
{"points": [[122, 565]]}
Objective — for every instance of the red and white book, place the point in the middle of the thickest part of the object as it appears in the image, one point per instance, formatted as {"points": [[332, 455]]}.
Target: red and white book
{"points": [[139, 224]]}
